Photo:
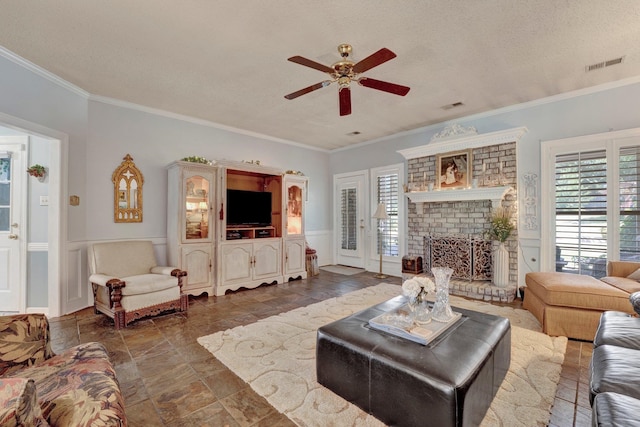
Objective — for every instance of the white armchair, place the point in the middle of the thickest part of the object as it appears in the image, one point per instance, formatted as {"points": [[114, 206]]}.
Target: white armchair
{"points": [[128, 284]]}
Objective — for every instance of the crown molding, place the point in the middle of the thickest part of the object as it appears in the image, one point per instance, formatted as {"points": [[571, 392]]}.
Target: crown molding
{"points": [[18, 60], [503, 110], [193, 120], [465, 142]]}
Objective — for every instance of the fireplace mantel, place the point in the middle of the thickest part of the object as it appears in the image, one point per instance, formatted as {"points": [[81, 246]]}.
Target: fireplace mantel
{"points": [[495, 194]]}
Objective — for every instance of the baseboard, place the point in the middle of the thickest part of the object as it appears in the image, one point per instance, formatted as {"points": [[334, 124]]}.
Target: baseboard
{"points": [[43, 310]]}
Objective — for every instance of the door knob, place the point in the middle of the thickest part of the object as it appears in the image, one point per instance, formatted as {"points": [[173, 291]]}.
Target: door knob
{"points": [[13, 236]]}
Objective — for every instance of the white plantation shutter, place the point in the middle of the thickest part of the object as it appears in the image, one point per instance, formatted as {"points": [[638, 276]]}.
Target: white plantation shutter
{"points": [[581, 212], [387, 188], [348, 213], [629, 205]]}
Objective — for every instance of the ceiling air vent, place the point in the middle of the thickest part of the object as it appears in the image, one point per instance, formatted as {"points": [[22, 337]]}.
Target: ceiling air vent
{"points": [[604, 64], [454, 105]]}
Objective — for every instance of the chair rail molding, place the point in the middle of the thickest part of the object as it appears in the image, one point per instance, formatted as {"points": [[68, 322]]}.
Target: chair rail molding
{"points": [[465, 142], [495, 194]]}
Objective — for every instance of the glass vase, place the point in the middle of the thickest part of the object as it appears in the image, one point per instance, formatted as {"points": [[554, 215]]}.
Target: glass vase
{"points": [[441, 309], [419, 307]]}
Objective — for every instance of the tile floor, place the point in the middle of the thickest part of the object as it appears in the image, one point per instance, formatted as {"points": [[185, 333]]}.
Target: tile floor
{"points": [[168, 379]]}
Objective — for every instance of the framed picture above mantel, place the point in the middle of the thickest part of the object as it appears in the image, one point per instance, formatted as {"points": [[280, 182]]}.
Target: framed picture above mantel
{"points": [[453, 170]]}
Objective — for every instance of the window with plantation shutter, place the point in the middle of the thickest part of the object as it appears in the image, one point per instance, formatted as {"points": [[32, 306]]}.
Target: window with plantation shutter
{"points": [[387, 189], [595, 214], [386, 235], [629, 206], [581, 212]]}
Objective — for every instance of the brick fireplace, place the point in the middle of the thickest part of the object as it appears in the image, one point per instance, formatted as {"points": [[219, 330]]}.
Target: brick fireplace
{"points": [[464, 212]]}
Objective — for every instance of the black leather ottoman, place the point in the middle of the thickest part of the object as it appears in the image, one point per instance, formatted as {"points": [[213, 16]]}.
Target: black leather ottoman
{"points": [[449, 382]]}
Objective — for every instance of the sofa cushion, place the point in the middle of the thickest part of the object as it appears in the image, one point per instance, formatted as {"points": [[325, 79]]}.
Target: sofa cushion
{"points": [[19, 403], [578, 291], [24, 341], [615, 369], [148, 283], [617, 328], [122, 259], [615, 410], [78, 387], [622, 283]]}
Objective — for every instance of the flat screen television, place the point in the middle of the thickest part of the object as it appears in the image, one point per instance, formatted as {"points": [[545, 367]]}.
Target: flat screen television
{"points": [[249, 208]]}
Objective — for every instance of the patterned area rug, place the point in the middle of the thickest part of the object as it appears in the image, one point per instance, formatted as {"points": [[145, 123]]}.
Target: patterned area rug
{"points": [[342, 269], [276, 356]]}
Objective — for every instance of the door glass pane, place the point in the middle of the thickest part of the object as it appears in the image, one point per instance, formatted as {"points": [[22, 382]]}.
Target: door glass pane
{"points": [[197, 207], [5, 193], [348, 213], [294, 210], [4, 218]]}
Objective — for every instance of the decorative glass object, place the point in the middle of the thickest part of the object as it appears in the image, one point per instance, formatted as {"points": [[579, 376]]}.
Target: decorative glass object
{"points": [[441, 309], [419, 307]]}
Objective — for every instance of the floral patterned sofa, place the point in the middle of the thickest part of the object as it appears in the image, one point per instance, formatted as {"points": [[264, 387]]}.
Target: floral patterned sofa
{"points": [[77, 387]]}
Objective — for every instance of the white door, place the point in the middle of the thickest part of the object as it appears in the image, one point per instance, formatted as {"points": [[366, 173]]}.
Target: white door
{"points": [[350, 210], [12, 229]]}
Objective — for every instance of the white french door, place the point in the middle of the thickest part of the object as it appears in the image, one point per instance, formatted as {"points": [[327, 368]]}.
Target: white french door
{"points": [[13, 233], [350, 202]]}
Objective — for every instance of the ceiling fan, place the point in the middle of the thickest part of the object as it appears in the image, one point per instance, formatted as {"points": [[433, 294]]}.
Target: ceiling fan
{"points": [[346, 71]]}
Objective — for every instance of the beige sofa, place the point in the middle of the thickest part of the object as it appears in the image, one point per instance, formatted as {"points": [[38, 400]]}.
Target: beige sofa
{"points": [[570, 305], [128, 284]]}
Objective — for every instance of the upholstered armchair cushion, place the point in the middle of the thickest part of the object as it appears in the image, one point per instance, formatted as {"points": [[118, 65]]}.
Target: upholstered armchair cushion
{"points": [[24, 341], [122, 259], [19, 403]]}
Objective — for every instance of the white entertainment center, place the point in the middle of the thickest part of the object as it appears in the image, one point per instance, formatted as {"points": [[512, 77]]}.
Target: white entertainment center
{"points": [[246, 244]]}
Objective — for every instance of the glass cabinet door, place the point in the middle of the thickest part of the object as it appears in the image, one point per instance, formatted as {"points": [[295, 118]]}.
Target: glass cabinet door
{"points": [[197, 207], [295, 204]]}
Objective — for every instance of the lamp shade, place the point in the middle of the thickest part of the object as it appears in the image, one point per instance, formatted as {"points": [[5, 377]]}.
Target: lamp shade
{"points": [[381, 212]]}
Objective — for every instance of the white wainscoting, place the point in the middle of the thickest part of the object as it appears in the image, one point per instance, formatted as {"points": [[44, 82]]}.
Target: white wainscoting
{"points": [[528, 258], [76, 290], [322, 242]]}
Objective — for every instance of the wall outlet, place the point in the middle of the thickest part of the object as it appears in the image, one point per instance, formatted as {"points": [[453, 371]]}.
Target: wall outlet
{"points": [[44, 200]]}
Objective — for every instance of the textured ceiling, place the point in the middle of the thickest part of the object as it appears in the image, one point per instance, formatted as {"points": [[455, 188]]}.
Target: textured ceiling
{"points": [[225, 61]]}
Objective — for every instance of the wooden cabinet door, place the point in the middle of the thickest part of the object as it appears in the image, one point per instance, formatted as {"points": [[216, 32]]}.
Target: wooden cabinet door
{"points": [[196, 261], [294, 256], [236, 261], [267, 258]]}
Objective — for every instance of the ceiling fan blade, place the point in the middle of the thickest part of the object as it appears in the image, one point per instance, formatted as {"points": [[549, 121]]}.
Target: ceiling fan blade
{"points": [[345, 100], [384, 86], [380, 57], [306, 90], [312, 64]]}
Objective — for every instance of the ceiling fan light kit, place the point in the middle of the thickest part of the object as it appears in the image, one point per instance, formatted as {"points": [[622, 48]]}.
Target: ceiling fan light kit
{"points": [[346, 71]]}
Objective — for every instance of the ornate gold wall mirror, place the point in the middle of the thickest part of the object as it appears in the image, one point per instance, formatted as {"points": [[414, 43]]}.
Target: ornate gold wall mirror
{"points": [[127, 196]]}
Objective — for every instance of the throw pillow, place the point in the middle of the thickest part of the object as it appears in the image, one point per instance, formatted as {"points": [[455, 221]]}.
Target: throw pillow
{"points": [[634, 298], [635, 275]]}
